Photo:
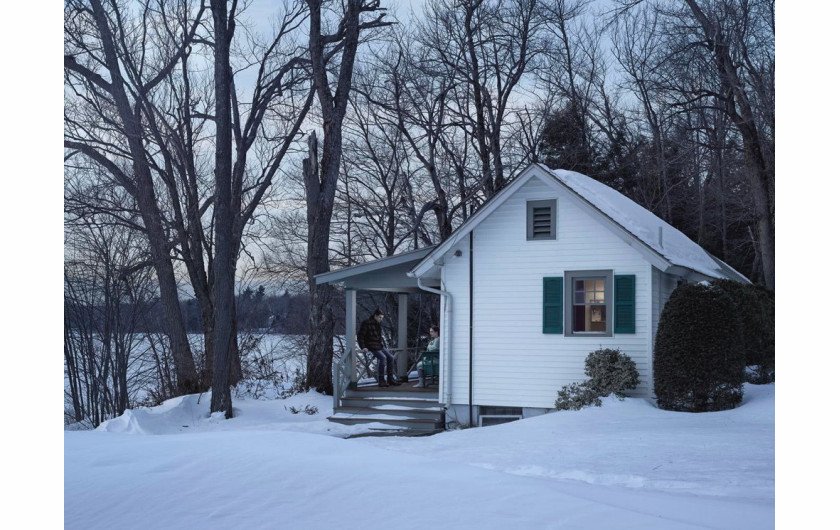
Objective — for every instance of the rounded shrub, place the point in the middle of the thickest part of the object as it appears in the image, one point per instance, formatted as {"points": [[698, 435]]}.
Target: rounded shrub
{"points": [[698, 360], [576, 396], [611, 372]]}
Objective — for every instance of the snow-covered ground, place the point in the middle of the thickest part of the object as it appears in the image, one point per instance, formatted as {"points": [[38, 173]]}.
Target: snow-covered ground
{"points": [[624, 465]]}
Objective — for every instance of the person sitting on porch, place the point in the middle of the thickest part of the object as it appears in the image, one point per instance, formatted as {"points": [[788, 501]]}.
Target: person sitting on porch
{"points": [[370, 337], [434, 345]]}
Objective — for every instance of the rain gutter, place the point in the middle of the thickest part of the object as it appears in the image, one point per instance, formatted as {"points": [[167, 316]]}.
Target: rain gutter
{"points": [[447, 361]]}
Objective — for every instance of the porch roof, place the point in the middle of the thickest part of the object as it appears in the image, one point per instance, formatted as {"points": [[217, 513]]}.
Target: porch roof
{"points": [[384, 274]]}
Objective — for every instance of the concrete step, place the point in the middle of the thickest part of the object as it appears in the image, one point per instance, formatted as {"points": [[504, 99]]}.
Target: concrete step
{"points": [[397, 411], [377, 401], [402, 409], [402, 422], [414, 393], [394, 431]]}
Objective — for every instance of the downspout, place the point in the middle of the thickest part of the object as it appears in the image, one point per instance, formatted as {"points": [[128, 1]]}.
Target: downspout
{"points": [[447, 395], [471, 331]]}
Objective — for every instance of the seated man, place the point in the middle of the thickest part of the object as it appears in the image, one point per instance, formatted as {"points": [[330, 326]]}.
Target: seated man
{"points": [[434, 346], [370, 337]]}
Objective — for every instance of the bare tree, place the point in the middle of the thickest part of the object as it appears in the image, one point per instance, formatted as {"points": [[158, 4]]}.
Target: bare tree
{"points": [[416, 99], [637, 46], [488, 46], [563, 74], [720, 54], [106, 302], [99, 48], [727, 32], [224, 266], [321, 172], [237, 195], [379, 187]]}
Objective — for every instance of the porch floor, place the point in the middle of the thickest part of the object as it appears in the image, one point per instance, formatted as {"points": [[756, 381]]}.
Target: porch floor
{"points": [[371, 386], [405, 387]]}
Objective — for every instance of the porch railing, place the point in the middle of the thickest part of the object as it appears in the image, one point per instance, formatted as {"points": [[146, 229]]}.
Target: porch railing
{"points": [[342, 371], [366, 367]]}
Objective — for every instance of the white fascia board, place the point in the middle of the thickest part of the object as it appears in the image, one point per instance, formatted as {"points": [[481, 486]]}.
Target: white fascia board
{"points": [[436, 257]]}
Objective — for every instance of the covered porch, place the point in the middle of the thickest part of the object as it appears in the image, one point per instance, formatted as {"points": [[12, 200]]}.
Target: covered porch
{"points": [[356, 369]]}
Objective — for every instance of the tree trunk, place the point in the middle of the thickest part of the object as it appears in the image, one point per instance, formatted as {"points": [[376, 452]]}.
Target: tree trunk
{"points": [[235, 359], [206, 375], [173, 320], [481, 136], [224, 268], [321, 318]]}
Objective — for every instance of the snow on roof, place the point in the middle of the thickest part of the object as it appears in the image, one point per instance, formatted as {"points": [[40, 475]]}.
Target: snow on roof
{"points": [[676, 247]]}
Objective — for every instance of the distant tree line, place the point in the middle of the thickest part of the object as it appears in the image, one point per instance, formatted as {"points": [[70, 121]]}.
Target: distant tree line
{"points": [[283, 314]]}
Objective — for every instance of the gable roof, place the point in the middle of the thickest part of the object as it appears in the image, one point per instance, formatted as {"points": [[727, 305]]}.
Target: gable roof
{"points": [[659, 242]]}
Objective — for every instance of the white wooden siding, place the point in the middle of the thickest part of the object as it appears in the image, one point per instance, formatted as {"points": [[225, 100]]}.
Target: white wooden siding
{"points": [[515, 363], [455, 278]]}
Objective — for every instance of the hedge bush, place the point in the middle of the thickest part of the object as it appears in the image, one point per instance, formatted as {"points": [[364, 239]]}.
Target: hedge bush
{"points": [[756, 307], [698, 361], [610, 372]]}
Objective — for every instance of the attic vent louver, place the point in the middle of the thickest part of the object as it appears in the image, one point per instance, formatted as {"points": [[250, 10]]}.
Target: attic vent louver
{"points": [[542, 219], [542, 222]]}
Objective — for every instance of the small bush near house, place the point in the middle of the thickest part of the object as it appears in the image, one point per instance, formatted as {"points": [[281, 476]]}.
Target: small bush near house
{"points": [[260, 377], [297, 386], [308, 409], [756, 308], [576, 396], [610, 372], [698, 360]]}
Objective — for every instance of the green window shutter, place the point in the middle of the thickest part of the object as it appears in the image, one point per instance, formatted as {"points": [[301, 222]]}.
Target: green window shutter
{"points": [[553, 305], [625, 303]]}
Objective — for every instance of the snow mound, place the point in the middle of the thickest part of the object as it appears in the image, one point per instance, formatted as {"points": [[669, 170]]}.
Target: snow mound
{"points": [[181, 411], [300, 412]]}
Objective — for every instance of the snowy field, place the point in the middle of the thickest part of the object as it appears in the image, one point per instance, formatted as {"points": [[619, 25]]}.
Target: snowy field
{"points": [[625, 465]]}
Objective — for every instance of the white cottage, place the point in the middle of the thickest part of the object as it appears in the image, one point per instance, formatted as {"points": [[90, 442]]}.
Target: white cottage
{"points": [[552, 268]]}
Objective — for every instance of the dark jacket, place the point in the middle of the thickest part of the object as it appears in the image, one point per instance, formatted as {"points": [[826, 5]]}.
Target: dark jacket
{"points": [[370, 335]]}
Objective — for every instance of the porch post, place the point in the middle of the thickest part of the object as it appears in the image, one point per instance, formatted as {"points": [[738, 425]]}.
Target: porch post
{"points": [[350, 331], [402, 335]]}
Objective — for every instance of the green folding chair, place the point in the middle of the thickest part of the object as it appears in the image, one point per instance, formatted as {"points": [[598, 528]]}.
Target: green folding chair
{"points": [[431, 366]]}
